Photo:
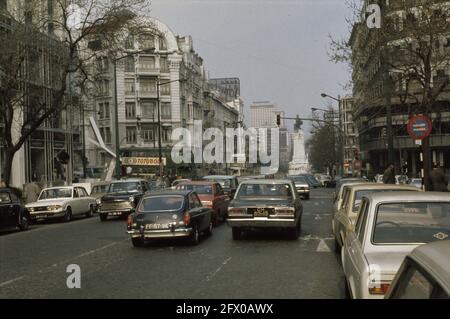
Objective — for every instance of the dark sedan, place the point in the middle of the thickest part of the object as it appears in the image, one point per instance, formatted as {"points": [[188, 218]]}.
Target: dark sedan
{"points": [[265, 204], [12, 213], [122, 198], [169, 214], [229, 183]]}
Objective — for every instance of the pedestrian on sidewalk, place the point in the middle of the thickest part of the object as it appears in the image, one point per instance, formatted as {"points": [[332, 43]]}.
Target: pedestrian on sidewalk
{"points": [[389, 174], [32, 190], [438, 181]]}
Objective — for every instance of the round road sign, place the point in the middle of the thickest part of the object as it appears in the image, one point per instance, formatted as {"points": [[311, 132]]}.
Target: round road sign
{"points": [[419, 127]]}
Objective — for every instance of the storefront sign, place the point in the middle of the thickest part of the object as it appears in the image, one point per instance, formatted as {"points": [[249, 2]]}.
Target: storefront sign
{"points": [[142, 161]]}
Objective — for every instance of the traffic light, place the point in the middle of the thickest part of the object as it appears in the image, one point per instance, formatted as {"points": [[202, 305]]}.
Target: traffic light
{"points": [[278, 119]]}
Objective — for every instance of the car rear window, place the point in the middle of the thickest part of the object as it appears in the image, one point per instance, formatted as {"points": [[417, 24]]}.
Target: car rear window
{"points": [[270, 191], [161, 203], [403, 223], [199, 189]]}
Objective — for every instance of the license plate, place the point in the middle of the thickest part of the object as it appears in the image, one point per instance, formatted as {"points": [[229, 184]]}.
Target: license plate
{"points": [[260, 212], [156, 226], [115, 214]]}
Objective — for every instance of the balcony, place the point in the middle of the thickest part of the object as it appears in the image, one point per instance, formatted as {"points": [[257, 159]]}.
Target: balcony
{"points": [[141, 71], [401, 142]]}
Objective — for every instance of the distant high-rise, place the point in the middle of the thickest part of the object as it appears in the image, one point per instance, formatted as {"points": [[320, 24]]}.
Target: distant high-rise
{"points": [[264, 114]]}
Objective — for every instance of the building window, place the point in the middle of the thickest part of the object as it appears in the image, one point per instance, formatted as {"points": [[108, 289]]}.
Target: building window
{"points": [[148, 134], [103, 87], [148, 86], [106, 110], [130, 110], [129, 86], [162, 43], [166, 135], [131, 134], [129, 64], [129, 42], [147, 63], [166, 112], [146, 41], [165, 89], [148, 109], [164, 65], [107, 135]]}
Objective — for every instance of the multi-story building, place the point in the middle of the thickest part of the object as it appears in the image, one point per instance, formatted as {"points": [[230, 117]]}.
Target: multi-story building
{"points": [[379, 92], [264, 115], [158, 68], [62, 132]]}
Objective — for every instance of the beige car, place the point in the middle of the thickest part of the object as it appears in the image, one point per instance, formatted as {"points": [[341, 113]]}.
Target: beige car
{"points": [[389, 226], [344, 219]]}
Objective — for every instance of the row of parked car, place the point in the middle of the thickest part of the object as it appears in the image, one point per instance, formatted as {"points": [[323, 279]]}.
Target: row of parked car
{"points": [[378, 230]]}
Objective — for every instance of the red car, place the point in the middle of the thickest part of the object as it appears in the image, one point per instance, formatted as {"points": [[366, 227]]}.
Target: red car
{"points": [[211, 195]]}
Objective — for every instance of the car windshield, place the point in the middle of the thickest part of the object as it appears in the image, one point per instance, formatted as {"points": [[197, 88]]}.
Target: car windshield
{"points": [[269, 191], [123, 187], [223, 182], [299, 179], [161, 203], [199, 189], [52, 193], [360, 194], [99, 189], [403, 223]]}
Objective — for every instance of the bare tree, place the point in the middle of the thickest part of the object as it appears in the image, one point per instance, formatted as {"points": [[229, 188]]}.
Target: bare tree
{"points": [[51, 51], [413, 52]]}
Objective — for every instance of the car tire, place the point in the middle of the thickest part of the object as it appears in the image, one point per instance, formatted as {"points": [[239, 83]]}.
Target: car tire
{"points": [[237, 233], [337, 247], [24, 223], [103, 217], [294, 232], [137, 242], [90, 213], [68, 215], [209, 231], [194, 237], [348, 294]]}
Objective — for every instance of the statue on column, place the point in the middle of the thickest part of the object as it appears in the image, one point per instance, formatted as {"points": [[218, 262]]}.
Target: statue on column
{"points": [[299, 163]]}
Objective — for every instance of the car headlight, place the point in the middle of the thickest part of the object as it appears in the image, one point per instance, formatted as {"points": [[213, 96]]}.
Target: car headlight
{"points": [[98, 201], [54, 207], [31, 209], [131, 199]]}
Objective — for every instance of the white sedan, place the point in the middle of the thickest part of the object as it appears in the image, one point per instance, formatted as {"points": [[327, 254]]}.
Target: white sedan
{"points": [[389, 226], [62, 202]]}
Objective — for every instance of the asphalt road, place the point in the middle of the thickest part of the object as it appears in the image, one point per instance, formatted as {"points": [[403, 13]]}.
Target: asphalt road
{"points": [[33, 263]]}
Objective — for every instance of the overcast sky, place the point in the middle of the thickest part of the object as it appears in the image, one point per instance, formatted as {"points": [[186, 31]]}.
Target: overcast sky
{"points": [[278, 48]]}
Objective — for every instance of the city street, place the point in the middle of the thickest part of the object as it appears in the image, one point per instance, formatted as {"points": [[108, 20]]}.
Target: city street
{"points": [[33, 263]]}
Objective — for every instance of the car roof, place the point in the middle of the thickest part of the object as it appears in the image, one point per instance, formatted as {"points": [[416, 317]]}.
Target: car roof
{"points": [[409, 196], [133, 180], [58, 187], [180, 192], [435, 259], [368, 186], [219, 177], [266, 181], [197, 183]]}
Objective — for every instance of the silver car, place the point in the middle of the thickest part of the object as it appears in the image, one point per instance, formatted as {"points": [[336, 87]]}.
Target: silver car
{"points": [[62, 202], [424, 274], [389, 226]]}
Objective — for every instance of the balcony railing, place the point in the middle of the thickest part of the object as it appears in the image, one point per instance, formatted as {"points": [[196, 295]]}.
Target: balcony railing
{"points": [[405, 142]]}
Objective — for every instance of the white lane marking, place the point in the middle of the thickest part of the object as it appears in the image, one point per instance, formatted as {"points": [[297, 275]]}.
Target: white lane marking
{"points": [[90, 252], [323, 247], [211, 275], [310, 237], [5, 283]]}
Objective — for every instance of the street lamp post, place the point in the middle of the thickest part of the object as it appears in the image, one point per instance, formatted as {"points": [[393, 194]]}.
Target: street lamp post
{"points": [[338, 99], [116, 104]]}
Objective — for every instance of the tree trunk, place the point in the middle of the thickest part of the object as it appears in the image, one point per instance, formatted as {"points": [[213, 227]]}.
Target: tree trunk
{"points": [[9, 156]]}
